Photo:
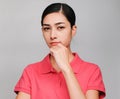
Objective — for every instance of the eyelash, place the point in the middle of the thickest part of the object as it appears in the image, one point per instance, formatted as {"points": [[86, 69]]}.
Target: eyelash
{"points": [[49, 28], [46, 28], [60, 27]]}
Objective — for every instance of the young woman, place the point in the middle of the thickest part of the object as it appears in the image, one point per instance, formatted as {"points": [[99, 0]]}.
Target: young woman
{"points": [[62, 74]]}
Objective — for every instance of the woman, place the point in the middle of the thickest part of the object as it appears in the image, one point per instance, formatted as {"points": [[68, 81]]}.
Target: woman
{"points": [[62, 74]]}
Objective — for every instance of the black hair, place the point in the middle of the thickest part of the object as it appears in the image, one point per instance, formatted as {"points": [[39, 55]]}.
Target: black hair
{"points": [[67, 11]]}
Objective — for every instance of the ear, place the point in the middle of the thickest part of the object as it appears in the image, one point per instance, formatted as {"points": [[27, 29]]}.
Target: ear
{"points": [[74, 29]]}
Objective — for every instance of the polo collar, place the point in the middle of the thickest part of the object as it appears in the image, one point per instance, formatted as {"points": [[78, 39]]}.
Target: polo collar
{"points": [[47, 66], [76, 63]]}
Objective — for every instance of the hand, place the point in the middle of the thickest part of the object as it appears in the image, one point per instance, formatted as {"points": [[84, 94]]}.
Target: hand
{"points": [[61, 56]]}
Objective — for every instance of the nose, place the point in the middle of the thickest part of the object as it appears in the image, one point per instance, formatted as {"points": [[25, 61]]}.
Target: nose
{"points": [[53, 34]]}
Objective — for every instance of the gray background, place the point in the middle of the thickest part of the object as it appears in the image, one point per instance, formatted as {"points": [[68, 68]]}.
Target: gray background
{"points": [[97, 39]]}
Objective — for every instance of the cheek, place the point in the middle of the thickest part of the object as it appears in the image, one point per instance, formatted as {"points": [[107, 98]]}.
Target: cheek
{"points": [[46, 37], [66, 38]]}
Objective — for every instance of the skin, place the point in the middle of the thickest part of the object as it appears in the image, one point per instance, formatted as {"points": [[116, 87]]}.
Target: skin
{"points": [[58, 34]]}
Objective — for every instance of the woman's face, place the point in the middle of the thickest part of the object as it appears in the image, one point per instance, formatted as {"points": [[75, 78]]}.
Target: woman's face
{"points": [[57, 29]]}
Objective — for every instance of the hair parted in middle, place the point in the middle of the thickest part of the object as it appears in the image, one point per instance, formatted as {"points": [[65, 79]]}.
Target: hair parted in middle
{"points": [[64, 8]]}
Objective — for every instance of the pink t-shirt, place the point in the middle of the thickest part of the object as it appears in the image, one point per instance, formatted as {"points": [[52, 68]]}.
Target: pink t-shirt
{"points": [[41, 81]]}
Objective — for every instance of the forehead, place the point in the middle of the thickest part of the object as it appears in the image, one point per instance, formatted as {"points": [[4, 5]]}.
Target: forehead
{"points": [[56, 17]]}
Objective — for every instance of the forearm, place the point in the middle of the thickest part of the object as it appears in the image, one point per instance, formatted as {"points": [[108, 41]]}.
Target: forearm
{"points": [[74, 89], [22, 95]]}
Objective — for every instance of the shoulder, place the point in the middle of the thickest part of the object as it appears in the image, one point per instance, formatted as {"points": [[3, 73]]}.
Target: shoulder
{"points": [[90, 67], [38, 67], [83, 64], [90, 71], [80, 65], [33, 66], [86, 67]]}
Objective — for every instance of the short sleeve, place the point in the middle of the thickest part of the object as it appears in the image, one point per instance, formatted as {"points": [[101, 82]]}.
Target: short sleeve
{"points": [[96, 82], [23, 84]]}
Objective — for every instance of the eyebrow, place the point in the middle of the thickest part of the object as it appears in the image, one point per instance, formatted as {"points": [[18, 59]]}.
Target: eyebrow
{"points": [[58, 23]]}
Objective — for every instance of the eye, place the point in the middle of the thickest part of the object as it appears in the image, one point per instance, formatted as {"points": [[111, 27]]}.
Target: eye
{"points": [[46, 29], [60, 27]]}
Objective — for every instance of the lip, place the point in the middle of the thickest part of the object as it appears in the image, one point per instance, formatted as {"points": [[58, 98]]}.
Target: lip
{"points": [[54, 43]]}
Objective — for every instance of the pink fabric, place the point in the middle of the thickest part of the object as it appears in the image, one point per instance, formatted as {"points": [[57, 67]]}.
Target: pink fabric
{"points": [[41, 81]]}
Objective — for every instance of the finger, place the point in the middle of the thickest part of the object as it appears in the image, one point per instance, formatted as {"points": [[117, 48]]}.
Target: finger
{"points": [[51, 53], [53, 50], [60, 44]]}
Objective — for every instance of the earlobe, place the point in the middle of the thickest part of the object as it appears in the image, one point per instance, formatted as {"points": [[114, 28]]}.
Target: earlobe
{"points": [[74, 29]]}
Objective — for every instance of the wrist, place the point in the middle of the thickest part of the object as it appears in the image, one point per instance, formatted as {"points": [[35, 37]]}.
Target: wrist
{"points": [[68, 70]]}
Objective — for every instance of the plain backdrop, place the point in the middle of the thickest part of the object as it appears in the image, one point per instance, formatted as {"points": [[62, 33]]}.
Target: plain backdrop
{"points": [[97, 39]]}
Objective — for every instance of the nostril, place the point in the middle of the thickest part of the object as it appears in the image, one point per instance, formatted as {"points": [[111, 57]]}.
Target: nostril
{"points": [[53, 37]]}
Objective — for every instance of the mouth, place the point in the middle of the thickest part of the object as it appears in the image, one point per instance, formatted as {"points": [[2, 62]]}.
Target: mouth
{"points": [[54, 43]]}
